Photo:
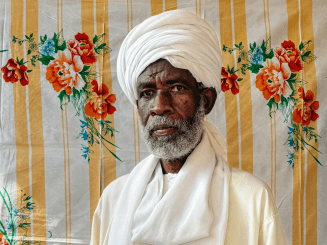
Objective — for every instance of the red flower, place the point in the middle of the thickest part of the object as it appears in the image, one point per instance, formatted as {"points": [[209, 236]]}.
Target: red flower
{"points": [[88, 57], [305, 112], [101, 105], [13, 72], [295, 63], [229, 81]]}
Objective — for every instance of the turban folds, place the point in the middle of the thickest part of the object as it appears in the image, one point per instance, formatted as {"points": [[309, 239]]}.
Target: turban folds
{"points": [[180, 37]]}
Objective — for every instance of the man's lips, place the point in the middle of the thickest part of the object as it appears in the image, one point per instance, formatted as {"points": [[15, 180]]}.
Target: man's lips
{"points": [[164, 130]]}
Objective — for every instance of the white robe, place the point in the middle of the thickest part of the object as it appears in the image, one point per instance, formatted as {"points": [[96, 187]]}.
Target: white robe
{"points": [[253, 217]]}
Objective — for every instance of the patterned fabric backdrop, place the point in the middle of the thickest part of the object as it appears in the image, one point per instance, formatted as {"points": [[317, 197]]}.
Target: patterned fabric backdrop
{"points": [[67, 130]]}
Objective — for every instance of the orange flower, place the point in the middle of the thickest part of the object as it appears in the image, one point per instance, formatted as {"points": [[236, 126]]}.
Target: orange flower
{"points": [[3, 240], [294, 55], [101, 105], [271, 80], [229, 81], [88, 57], [63, 72], [13, 72], [305, 112]]}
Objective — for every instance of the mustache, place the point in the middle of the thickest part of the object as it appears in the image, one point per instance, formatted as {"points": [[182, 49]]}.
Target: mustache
{"points": [[160, 122]]}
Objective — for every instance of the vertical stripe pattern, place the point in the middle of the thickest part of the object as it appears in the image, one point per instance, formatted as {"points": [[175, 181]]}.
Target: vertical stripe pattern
{"points": [[45, 148]]}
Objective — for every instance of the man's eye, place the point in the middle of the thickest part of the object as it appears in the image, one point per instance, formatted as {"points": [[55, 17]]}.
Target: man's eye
{"points": [[177, 88], [147, 93]]}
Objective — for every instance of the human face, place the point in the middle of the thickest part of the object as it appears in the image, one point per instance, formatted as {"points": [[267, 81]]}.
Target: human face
{"points": [[164, 90], [171, 115]]}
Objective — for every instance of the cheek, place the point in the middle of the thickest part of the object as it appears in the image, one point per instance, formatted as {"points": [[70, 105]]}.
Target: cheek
{"points": [[185, 106]]}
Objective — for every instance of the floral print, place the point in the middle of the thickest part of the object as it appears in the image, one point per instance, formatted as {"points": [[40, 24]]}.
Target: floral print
{"points": [[305, 112], [277, 79], [70, 71], [272, 80], [63, 72], [100, 105], [229, 81], [14, 72]]}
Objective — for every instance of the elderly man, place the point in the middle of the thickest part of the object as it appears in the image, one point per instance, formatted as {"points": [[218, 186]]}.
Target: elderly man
{"points": [[184, 192]]}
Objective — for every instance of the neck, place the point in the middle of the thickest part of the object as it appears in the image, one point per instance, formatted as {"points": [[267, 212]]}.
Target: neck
{"points": [[172, 165]]}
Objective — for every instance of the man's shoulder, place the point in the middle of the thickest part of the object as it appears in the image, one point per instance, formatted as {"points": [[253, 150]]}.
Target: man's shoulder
{"points": [[245, 180], [247, 188]]}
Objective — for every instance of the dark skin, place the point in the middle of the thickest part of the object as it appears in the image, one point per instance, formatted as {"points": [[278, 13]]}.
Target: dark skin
{"points": [[168, 91]]}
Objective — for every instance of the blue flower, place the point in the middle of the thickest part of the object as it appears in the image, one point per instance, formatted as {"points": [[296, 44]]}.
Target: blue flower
{"points": [[84, 135], [83, 124], [48, 48], [256, 56], [290, 142], [290, 130], [15, 211], [8, 221], [49, 42], [86, 151]]}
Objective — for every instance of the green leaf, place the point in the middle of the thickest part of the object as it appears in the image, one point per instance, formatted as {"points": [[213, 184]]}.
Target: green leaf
{"points": [[101, 46], [55, 39], [85, 69], [29, 51], [306, 54], [28, 71], [5, 50], [239, 79], [45, 60], [27, 37], [301, 46], [95, 39], [292, 76], [31, 35], [62, 47], [270, 103], [254, 68], [270, 55], [239, 60], [62, 95]]}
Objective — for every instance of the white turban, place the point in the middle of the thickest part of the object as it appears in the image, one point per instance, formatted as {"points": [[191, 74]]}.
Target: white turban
{"points": [[180, 37]]}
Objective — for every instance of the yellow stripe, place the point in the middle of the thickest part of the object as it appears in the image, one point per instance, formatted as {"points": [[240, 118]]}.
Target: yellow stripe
{"points": [[200, 8], [275, 136], [87, 14], [196, 7], [245, 90], [156, 7], [65, 167], [298, 171], [170, 5], [271, 155], [21, 131], [36, 129], [312, 166], [109, 161], [68, 163], [226, 38]]}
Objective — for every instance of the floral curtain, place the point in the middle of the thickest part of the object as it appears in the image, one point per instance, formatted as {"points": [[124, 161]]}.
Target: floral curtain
{"points": [[67, 130]]}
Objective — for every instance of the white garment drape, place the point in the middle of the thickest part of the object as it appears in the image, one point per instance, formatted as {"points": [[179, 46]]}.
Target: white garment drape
{"points": [[184, 214]]}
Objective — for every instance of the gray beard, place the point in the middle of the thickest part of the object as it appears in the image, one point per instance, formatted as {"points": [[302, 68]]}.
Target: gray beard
{"points": [[171, 147]]}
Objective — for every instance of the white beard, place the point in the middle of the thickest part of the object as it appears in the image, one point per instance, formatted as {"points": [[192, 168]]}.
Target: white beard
{"points": [[172, 147]]}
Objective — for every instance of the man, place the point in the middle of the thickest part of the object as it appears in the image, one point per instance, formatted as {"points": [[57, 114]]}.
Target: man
{"points": [[184, 192]]}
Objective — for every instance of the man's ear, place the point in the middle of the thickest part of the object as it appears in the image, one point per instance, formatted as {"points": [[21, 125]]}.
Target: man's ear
{"points": [[210, 95]]}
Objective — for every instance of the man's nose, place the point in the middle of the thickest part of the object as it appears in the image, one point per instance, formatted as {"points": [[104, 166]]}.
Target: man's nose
{"points": [[161, 104]]}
